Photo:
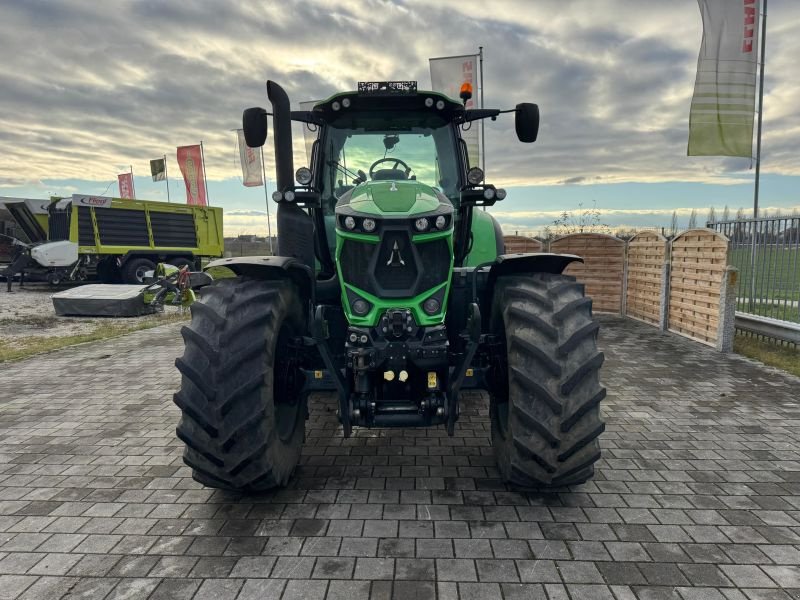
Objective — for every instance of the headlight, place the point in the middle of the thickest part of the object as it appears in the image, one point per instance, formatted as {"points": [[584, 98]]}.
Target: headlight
{"points": [[335, 105], [488, 193], [350, 222], [428, 102], [303, 175], [441, 221], [440, 104], [346, 102], [368, 224], [277, 196], [360, 307], [431, 306], [475, 175], [288, 195], [421, 224], [501, 194]]}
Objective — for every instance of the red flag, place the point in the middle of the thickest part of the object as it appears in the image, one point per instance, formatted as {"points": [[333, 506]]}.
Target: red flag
{"points": [[190, 160], [125, 185]]}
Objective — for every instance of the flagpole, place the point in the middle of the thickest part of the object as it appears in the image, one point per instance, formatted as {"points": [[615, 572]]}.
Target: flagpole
{"points": [[483, 121], [166, 175], [205, 175], [133, 185], [758, 159], [266, 198], [760, 109]]}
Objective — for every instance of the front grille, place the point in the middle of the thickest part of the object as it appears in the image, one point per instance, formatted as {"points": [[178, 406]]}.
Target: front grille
{"points": [[354, 263], [435, 256], [395, 267]]}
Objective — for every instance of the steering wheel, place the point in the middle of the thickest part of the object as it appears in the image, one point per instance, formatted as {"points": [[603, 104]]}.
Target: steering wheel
{"points": [[397, 162]]}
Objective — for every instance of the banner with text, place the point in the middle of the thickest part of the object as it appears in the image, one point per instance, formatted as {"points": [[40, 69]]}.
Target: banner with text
{"points": [[723, 105], [125, 185], [251, 162], [448, 74], [190, 161]]}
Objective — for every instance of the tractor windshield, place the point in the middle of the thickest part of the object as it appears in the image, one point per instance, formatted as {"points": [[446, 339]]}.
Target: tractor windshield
{"points": [[425, 152]]}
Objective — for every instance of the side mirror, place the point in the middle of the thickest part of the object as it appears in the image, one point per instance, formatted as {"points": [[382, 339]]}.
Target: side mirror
{"points": [[526, 122], [254, 123]]}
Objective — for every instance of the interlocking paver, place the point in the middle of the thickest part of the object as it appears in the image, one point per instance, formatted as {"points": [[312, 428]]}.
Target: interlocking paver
{"points": [[696, 497]]}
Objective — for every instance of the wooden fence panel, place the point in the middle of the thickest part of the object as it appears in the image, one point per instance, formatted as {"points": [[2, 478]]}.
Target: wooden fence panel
{"points": [[699, 258], [647, 254], [520, 243], [602, 271]]}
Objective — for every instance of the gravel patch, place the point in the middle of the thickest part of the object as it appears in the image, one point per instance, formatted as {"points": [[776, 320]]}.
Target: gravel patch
{"points": [[28, 312]]}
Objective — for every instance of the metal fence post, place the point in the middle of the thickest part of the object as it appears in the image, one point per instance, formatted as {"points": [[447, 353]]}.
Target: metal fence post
{"points": [[663, 321], [727, 310]]}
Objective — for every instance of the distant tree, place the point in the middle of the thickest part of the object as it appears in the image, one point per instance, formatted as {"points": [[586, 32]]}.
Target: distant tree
{"points": [[712, 217], [582, 220], [692, 219], [740, 214], [673, 227], [726, 213]]}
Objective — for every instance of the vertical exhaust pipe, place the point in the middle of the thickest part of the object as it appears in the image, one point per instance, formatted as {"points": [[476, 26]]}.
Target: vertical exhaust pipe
{"points": [[282, 132], [295, 227]]}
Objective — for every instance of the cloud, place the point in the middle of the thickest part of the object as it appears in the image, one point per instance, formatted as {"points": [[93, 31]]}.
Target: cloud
{"points": [[107, 85]]}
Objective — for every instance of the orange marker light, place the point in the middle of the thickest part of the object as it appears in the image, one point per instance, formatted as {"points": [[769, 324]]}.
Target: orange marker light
{"points": [[466, 91]]}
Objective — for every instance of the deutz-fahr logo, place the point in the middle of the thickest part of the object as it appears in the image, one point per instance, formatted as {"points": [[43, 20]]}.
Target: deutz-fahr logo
{"points": [[395, 259]]}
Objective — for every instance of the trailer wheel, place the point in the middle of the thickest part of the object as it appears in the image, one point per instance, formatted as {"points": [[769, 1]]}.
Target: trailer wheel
{"points": [[134, 269], [242, 419], [545, 408]]}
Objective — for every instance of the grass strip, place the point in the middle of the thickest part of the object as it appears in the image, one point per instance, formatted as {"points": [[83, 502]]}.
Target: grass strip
{"points": [[774, 355], [26, 347]]}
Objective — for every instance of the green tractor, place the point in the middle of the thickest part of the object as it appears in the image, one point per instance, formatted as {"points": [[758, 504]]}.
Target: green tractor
{"points": [[392, 289]]}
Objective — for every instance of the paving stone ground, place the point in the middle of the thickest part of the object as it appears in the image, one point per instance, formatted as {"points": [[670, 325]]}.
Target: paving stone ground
{"points": [[697, 496]]}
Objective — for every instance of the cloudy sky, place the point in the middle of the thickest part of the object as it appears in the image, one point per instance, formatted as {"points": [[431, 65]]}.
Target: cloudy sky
{"points": [[89, 88]]}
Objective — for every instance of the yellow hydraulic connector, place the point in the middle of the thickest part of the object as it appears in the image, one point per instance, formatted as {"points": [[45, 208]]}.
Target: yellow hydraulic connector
{"points": [[433, 382]]}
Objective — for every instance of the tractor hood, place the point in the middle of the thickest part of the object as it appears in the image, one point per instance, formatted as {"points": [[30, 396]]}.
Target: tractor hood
{"points": [[394, 198]]}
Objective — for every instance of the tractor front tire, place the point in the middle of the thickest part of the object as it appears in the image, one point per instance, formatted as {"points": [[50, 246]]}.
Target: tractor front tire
{"points": [[545, 410], [242, 418]]}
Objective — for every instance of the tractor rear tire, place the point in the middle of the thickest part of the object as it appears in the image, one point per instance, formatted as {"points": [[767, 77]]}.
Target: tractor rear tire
{"points": [[242, 420], [545, 409]]}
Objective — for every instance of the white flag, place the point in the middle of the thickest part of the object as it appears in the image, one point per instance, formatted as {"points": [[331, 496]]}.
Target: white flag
{"points": [[723, 105], [448, 74], [251, 162]]}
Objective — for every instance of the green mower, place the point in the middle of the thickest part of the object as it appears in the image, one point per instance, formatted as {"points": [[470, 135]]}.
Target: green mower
{"points": [[392, 289]]}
